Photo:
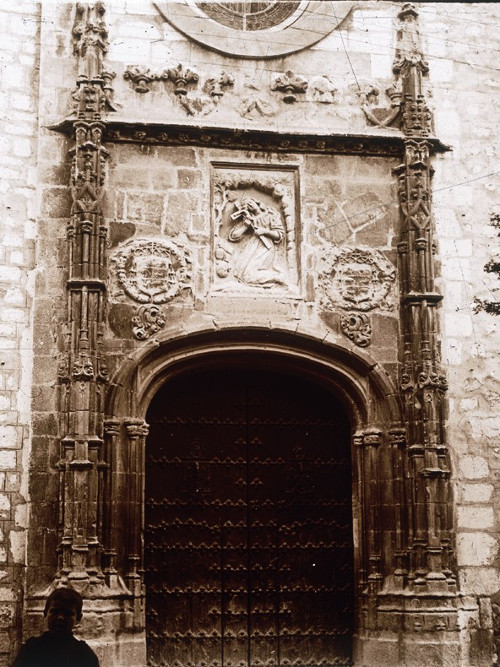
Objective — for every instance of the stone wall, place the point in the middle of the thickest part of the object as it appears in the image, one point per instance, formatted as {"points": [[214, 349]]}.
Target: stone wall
{"points": [[19, 59], [465, 84]]}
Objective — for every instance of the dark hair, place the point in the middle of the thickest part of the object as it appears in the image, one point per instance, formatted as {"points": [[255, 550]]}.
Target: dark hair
{"points": [[66, 596]]}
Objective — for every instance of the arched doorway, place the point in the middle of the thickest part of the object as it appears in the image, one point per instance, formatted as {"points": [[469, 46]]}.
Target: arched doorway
{"points": [[248, 521]]}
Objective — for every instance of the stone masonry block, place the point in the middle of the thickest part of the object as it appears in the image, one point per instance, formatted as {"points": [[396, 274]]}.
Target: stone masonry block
{"points": [[125, 176], [11, 274], [188, 178], [10, 436], [14, 315], [177, 155], [22, 147], [473, 467], [476, 549], [477, 493], [21, 101], [7, 460], [56, 202], [26, 26], [164, 178], [144, 207], [180, 205], [13, 76], [475, 517]]}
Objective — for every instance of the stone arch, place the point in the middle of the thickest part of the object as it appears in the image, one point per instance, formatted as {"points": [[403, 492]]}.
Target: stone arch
{"points": [[357, 382]]}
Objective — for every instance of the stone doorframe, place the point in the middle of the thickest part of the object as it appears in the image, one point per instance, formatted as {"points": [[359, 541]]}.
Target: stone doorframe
{"points": [[377, 450]]}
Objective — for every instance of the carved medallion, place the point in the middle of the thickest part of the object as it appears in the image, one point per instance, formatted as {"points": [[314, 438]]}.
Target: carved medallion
{"points": [[357, 279], [254, 229], [152, 270]]}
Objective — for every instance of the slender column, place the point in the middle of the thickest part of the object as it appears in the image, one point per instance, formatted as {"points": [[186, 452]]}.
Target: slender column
{"points": [[397, 443], [422, 380], [137, 431], [110, 524], [83, 370]]}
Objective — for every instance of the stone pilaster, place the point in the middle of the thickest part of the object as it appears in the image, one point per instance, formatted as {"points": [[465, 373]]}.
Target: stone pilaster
{"points": [[422, 381], [83, 370]]}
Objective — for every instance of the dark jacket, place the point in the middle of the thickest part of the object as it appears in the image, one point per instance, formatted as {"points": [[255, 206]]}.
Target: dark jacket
{"points": [[49, 650]]}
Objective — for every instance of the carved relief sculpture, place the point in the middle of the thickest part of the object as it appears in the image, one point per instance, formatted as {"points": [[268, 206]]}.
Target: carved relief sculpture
{"points": [[291, 84], [259, 230], [322, 90], [140, 76], [152, 270], [254, 230], [147, 322], [356, 278], [357, 327], [377, 115]]}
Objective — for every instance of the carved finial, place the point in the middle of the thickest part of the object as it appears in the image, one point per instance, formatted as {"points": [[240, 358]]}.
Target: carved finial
{"points": [[410, 66], [408, 11], [409, 49]]}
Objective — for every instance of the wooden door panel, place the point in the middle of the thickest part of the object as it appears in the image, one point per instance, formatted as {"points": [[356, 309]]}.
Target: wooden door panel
{"points": [[248, 544]]}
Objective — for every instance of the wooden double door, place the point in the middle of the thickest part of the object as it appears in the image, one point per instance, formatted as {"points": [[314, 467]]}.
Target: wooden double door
{"points": [[248, 523]]}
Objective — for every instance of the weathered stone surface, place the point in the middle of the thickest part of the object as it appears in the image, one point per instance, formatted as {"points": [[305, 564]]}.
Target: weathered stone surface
{"points": [[166, 190]]}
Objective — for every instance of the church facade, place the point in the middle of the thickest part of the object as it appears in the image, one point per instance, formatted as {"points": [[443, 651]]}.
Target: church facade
{"points": [[249, 375]]}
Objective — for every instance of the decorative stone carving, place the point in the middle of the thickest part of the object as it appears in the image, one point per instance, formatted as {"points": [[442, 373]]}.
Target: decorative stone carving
{"points": [[255, 105], [291, 84], [90, 39], [181, 76], [381, 116], [422, 382], [254, 229], [140, 76], [357, 327], [214, 86], [152, 270], [147, 322], [322, 90], [355, 278]]}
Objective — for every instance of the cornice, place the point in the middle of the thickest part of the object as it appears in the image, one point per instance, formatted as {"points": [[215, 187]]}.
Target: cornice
{"points": [[171, 134]]}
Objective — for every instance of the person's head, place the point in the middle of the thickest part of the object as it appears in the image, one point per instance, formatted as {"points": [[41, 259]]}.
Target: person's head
{"points": [[63, 610]]}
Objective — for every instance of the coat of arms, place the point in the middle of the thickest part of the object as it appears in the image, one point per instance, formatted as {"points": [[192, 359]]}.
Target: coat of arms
{"points": [[152, 270]]}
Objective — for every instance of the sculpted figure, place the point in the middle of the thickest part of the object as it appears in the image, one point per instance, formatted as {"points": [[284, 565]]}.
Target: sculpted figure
{"points": [[261, 260]]}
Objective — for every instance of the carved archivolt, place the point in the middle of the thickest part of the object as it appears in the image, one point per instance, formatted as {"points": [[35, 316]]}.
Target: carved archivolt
{"points": [[356, 279], [254, 229], [152, 270]]}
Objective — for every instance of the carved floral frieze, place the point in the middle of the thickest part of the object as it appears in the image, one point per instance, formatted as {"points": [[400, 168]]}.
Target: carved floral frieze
{"points": [[356, 279], [254, 229], [152, 270], [185, 81], [200, 94]]}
